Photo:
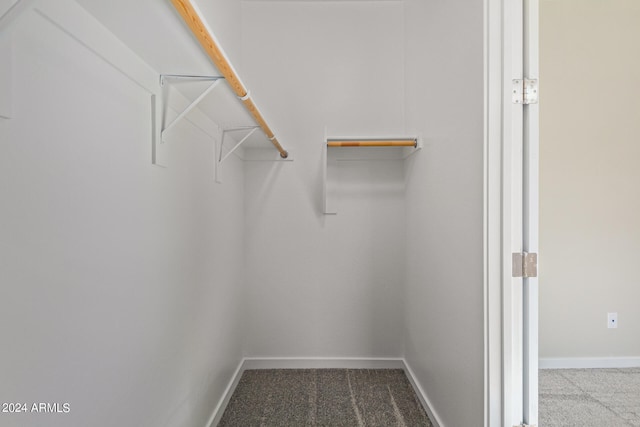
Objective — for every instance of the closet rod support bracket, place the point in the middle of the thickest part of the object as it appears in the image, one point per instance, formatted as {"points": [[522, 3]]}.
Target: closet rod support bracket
{"points": [[163, 79], [251, 130]]}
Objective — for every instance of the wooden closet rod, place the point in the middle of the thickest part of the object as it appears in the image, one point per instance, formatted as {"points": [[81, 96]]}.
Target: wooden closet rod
{"points": [[193, 20], [373, 143]]}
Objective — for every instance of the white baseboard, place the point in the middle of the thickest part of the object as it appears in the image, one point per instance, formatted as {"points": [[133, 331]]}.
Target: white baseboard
{"points": [[424, 399], [320, 363], [588, 362], [214, 419]]}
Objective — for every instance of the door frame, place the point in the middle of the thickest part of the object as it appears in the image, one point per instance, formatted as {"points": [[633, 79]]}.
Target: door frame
{"points": [[511, 214], [531, 142]]}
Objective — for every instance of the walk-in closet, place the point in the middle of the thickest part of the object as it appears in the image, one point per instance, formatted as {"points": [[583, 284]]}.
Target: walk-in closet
{"points": [[192, 189]]}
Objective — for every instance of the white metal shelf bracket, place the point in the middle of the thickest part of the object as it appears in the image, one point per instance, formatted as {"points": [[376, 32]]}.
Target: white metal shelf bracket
{"points": [[220, 158], [418, 147], [327, 208], [164, 78], [251, 130]]}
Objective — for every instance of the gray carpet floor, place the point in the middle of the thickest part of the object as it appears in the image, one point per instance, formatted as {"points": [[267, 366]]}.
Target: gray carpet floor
{"points": [[324, 397], [589, 397]]}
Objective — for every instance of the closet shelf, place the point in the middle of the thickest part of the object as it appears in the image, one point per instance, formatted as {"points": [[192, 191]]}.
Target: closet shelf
{"points": [[410, 142], [352, 152], [205, 36]]}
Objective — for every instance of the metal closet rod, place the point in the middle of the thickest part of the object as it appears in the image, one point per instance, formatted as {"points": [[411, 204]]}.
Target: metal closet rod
{"points": [[372, 143], [206, 38]]}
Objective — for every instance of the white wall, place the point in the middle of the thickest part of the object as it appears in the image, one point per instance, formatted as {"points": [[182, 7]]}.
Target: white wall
{"points": [[130, 277], [589, 175], [120, 280], [6, 72], [444, 287], [335, 286], [320, 286]]}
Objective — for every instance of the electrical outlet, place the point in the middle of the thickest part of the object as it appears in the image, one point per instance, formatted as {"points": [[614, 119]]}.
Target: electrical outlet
{"points": [[612, 320]]}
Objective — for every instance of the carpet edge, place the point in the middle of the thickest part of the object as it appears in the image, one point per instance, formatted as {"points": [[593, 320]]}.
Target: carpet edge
{"points": [[321, 363]]}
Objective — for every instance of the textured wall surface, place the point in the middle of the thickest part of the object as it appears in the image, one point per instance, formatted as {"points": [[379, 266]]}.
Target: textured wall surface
{"points": [[120, 280], [444, 287], [589, 175], [322, 286], [132, 291]]}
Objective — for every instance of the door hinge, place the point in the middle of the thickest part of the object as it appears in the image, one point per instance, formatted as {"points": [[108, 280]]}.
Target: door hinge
{"points": [[525, 91], [524, 264]]}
